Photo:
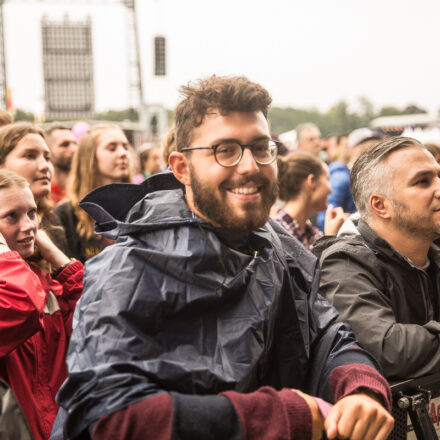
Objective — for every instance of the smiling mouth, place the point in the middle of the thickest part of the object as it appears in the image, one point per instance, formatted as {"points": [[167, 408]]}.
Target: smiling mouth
{"points": [[245, 190], [26, 240]]}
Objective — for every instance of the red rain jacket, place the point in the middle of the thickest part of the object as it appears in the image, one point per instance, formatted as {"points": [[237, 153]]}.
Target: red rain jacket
{"points": [[35, 325]]}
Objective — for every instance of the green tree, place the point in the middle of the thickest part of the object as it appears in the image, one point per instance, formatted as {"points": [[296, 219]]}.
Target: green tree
{"points": [[21, 115], [129, 114], [366, 110], [339, 120], [413, 109], [285, 119], [389, 111]]}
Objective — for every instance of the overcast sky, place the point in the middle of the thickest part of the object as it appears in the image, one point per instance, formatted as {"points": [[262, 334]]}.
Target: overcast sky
{"points": [[307, 53]]}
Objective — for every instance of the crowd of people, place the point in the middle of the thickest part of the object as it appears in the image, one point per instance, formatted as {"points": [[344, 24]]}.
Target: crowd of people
{"points": [[245, 292]]}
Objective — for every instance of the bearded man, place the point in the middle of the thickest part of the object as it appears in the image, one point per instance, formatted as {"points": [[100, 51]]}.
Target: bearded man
{"points": [[203, 320], [62, 145], [384, 279]]}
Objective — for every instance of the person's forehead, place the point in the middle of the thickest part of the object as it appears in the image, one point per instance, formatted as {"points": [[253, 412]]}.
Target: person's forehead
{"points": [[32, 140], [243, 126], [410, 161], [112, 135], [310, 132], [63, 134], [16, 197]]}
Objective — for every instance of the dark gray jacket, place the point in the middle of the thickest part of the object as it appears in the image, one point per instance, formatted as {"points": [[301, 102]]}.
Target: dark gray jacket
{"points": [[391, 304]]}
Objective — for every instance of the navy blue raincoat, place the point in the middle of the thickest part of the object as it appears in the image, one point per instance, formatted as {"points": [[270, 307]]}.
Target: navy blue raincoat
{"points": [[179, 305]]}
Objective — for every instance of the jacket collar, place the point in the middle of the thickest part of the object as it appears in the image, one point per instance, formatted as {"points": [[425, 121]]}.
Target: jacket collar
{"points": [[378, 244]]}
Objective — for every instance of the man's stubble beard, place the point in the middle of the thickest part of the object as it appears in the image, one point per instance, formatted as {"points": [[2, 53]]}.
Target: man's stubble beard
{"points": [[415, 225], [63, 164], [216, 208]]}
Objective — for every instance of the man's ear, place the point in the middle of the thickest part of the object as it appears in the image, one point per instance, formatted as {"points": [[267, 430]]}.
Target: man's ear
{"points": [[310, 182], [180, 167], [380, 206]]}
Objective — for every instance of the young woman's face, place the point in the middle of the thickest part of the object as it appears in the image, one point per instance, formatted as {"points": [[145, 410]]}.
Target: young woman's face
{"points": [[321, 190], [112, 156], [31, 160], [18, 219]]}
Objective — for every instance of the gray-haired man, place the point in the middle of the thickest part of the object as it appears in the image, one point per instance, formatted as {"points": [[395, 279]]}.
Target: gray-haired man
{"points": [[385, 279]]}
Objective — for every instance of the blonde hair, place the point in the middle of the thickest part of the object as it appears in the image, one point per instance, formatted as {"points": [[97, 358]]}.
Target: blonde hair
{"points": [[8, 179], [168, 144], [5, 118], [84, 176]]}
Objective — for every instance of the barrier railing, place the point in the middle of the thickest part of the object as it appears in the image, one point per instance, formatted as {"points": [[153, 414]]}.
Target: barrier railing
{"points": [[416, 409]]}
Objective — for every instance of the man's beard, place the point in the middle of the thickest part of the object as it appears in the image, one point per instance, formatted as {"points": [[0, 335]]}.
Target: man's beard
{"points": [[63, 163], [213, 202], [415, 225]]}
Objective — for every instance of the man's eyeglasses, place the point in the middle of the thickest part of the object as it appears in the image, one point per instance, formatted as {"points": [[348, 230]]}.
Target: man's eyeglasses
{"points": [[229, 154]]}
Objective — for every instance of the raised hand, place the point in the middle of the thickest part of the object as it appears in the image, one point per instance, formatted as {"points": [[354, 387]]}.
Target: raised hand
{"points": [[49, 251], [334, 218]]}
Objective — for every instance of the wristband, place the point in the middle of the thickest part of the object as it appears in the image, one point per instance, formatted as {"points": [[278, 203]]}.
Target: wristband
{"points": [[56, 272]]}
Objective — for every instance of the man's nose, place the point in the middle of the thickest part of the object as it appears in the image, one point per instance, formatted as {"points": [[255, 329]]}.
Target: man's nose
{"points": [[437, 188], [247, 163], [73, 147]]}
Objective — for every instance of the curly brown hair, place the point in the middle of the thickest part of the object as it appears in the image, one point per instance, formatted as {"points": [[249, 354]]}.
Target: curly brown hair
{"points": [[223, 93]]}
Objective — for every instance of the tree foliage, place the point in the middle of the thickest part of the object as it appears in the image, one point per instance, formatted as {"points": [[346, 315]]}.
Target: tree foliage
{"points": [[21, 115], [339, 119], [129, 114]]}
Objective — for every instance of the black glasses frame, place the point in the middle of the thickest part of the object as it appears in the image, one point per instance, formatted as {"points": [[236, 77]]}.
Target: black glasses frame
{"points": [[275, 145]]}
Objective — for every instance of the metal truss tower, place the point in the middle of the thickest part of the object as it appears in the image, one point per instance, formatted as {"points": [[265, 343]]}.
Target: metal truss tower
{"points": [[136, 88], [3, 84]]}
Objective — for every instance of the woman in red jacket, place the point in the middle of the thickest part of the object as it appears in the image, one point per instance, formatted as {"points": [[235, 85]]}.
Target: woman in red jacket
{"points": [[35, 308]]}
